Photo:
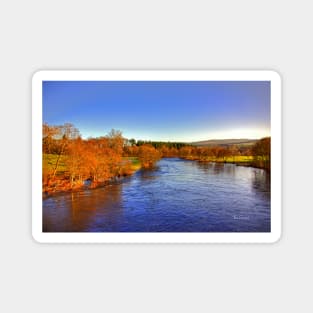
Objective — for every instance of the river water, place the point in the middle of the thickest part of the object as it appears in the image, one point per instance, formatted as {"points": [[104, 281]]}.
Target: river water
{"points": [[177, 196]]}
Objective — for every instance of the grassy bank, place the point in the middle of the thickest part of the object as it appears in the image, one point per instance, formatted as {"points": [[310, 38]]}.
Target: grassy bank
{"points": [[235, 159], [49, 162], [61, 181], [243, 160], [135, 163]]}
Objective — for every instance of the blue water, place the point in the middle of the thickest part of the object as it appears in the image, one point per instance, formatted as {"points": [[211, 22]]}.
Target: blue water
{"points": [[177, 196]]}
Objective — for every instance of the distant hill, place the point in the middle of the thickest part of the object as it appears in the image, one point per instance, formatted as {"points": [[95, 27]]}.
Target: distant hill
{"points": [[225, 142]]}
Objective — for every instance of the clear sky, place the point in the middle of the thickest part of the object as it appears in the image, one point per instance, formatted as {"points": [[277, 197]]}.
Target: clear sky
{"points": [[161, 110]]}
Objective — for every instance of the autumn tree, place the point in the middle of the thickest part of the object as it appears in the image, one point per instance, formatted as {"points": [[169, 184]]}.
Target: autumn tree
{"points": [[223, 153], [201, 153], [262, 148], [64, 133], [164, 151], [173, 152], [233, 151], [76, 161], [216, 152], [116, 141], [185, 152], [101, 159], [148, 155], [130, 151], [262, 152], [48, 134]]}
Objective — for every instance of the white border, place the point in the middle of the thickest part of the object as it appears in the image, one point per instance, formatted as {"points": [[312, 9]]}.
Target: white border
{"points": [[42, 237]]}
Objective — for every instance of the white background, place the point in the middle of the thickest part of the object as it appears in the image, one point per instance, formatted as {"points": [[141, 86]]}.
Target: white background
{"points": [[155, 35]]}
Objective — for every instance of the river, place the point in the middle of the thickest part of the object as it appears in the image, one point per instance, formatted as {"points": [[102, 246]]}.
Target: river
{"points": [[177, 196]]}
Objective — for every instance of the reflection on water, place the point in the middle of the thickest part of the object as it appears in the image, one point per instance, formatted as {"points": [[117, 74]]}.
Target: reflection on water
{"points": [[176, 196]]}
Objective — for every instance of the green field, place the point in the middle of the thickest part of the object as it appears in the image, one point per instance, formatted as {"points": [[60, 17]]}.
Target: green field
{"points": [[49, 161]]}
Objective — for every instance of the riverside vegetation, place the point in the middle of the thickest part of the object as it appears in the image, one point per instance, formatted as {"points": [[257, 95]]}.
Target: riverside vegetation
{"points": [[71, 163]]}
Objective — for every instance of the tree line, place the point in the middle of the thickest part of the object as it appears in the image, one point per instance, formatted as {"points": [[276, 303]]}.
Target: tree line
{"points": [[156, 144], [69, 161], [257, 155]]}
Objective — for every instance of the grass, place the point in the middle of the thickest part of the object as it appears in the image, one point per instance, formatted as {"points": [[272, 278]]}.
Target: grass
{"points": [[135, 163], [230, 159], [49, 161], [243, 160], [239, 159]]}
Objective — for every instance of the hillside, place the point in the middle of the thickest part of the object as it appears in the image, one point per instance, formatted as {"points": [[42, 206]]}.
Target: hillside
{"points": [[225, 142]]}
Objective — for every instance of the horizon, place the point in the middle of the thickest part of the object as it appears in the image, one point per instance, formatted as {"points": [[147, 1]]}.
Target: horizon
{"points": [[175, 111], [182, 141]]}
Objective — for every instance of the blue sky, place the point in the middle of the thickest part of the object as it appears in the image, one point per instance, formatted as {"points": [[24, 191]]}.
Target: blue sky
{"points": [[161, 110]]}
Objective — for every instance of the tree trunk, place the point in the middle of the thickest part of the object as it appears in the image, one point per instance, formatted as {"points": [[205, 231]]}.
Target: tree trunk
{"points": [[58, 160]]}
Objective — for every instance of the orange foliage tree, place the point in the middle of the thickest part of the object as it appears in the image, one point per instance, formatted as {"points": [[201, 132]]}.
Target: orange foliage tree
{"points": [[148, 155], [261, 152], [97, 159]]}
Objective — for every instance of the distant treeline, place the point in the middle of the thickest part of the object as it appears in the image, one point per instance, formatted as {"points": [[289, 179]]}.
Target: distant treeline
{"points": [[156, 144], [69, 160], [257, 155]]}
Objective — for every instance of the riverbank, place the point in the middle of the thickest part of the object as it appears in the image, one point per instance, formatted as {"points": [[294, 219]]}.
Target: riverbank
{"points": [[61, 182], [85, 186], [247, 161]]}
